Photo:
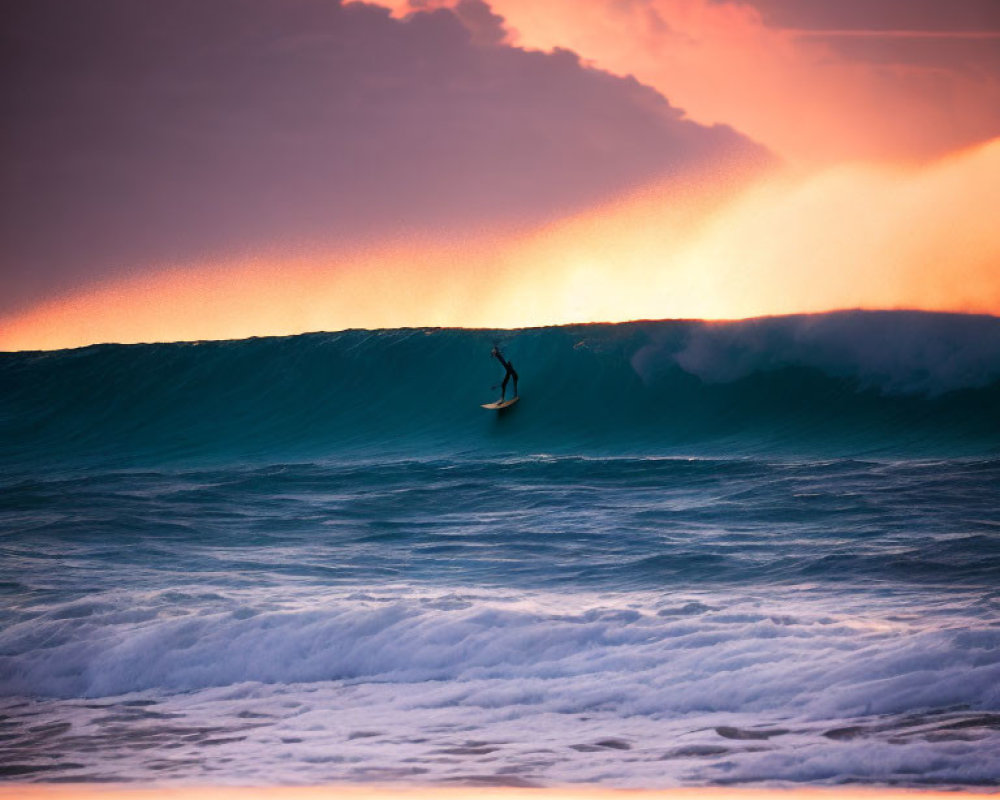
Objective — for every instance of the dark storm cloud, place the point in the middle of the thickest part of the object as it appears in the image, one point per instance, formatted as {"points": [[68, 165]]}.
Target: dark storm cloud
{"points": [[163, 130]]}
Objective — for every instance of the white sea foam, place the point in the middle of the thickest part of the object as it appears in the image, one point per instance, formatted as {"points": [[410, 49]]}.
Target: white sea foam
{"points": [[641, 651], [624, 689], [893, 352]]}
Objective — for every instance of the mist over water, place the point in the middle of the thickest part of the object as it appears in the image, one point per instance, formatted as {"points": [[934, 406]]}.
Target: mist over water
{"points": [[692, 554]]}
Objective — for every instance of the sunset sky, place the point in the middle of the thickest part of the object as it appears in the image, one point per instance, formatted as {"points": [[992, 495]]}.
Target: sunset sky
{"points": [[189, 169]]}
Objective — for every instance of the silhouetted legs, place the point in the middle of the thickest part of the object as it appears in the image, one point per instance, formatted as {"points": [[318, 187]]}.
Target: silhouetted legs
{"points": [[503, 386]]}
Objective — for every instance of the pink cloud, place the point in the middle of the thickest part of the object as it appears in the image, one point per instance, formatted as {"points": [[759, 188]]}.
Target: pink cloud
{"points": [[769, 70], [170, 131]]}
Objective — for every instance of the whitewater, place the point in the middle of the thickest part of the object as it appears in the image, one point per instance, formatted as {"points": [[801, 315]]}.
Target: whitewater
{"points": [[763, 552]]}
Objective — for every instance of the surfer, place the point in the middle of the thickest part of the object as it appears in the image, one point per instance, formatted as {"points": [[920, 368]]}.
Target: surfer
{"points": [[510, 373]]}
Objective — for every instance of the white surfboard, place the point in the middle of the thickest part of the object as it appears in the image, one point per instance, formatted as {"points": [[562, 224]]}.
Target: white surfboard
{"points": [[499, 405]]}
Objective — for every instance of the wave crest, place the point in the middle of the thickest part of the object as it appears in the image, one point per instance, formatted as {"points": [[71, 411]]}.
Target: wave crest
{"points": [[834, 384]]}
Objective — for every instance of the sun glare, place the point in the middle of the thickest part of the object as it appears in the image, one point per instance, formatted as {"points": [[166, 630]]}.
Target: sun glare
{"points": [[855, 236]]}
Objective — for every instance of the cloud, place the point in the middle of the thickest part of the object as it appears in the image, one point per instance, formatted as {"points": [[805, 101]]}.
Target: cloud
{"points": [[955, 43], [921, 237], [163, 132], [878, 15], [810, 80]]}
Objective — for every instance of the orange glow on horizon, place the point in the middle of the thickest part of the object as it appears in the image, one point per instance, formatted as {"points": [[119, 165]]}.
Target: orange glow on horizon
{"points": [[855, 236]]}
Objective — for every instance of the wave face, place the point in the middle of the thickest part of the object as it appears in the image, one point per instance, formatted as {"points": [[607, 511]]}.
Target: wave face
{"points": [[839, 383]]}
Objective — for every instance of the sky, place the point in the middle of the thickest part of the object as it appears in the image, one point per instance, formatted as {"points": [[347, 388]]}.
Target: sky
{"points": [[200, 169]]}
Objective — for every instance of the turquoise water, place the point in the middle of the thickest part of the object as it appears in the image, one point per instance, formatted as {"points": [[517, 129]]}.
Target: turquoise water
{"points": [[692, 554]]}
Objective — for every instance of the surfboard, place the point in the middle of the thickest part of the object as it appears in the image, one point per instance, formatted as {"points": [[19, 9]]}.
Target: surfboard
{"points": [[501, 405]]}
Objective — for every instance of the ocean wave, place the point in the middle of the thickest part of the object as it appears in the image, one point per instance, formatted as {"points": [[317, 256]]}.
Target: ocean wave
{"points": [[651, 655], [843, 383]]}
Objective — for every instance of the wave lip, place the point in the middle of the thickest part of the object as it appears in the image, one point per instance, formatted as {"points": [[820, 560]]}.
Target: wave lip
{"points": [[899, 383]]}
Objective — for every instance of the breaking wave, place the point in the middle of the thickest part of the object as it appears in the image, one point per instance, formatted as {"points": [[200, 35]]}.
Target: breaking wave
{"points": [[838, 383]]}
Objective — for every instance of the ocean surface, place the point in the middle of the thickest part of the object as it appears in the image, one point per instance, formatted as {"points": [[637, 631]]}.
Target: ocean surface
{"points": [[760, 552]]}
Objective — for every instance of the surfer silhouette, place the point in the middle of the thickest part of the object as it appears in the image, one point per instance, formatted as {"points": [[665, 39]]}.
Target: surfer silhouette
{"points": [[510, 373]]}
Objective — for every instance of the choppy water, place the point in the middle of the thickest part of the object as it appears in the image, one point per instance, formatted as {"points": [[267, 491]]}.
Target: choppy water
{"points": [[757, 552]]}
